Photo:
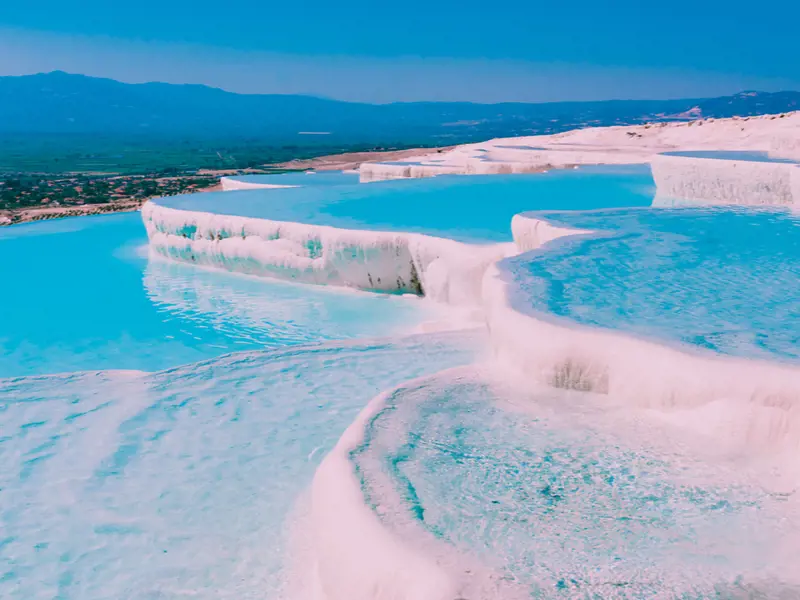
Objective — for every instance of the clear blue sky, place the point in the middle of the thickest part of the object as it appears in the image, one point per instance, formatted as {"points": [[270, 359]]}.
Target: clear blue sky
{"points": [[438, 49]]}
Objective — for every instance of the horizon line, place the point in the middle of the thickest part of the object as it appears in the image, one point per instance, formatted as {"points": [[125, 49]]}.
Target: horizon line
{"points": [[331, 99]]}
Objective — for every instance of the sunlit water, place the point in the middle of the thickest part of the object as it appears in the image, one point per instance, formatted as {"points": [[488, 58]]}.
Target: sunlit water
{"points": [[723, 279], [184, 482], [179, 484], [81, 294], [475, 208], [568, 496]]}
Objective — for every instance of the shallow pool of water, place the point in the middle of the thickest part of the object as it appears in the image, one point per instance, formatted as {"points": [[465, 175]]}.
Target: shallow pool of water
{"points": [[82, 294], [567, 496], [187, 481], [723, 279], [468, 208], [180, 483]]}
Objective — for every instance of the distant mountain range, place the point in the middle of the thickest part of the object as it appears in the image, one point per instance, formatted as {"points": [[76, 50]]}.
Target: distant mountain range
{"points": [[61, 103]]}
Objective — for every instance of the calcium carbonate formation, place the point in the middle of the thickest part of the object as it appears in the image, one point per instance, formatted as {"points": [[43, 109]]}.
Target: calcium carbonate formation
{"points": [[725, 181], [230, 184], [748, 405], [403, 263], [455, 273], [718, 180]]}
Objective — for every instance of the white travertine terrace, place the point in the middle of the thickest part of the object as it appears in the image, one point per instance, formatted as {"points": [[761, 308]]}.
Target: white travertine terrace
{"points": [[497, 161], [722, 181], [442, 269], [748, 406], [452, 272], [711, 180], [795, 184], [455, 273], [230, 184], [786, 145], [619, 364], [744, 406], [375, 564]]}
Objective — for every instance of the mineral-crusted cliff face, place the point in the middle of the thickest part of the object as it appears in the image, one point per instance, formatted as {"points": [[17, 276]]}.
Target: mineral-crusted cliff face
{"points": [[722, 181], [787, 146], [445, 270]]}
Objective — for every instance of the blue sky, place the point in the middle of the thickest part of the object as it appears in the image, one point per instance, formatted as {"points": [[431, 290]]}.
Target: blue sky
{"points": [[436, 50]]}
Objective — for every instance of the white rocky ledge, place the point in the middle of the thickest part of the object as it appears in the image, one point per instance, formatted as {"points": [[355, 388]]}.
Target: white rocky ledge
{"points": [[723, 181]]}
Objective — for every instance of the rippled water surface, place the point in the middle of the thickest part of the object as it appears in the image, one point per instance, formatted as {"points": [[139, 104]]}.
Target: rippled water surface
{"points": [[724, 279], [180, 483], [566, 497], [188, 480]]}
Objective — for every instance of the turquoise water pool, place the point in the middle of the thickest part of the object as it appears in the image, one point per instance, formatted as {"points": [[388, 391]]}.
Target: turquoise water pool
{"points": [[468, 208], [566, 496], [87, 297], [184, 482], [722, 279], [191, 479]]}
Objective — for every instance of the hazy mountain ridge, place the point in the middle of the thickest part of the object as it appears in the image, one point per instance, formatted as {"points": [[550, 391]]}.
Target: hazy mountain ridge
{"points": [[60, 103]]}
